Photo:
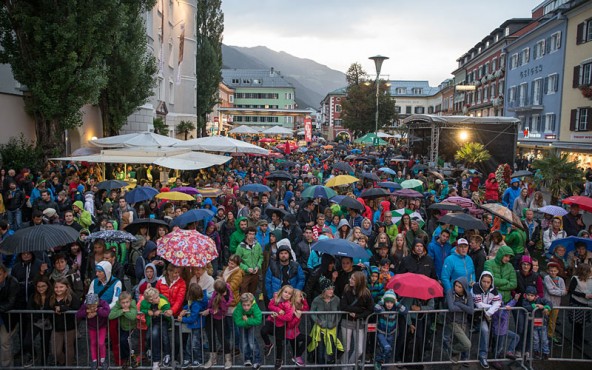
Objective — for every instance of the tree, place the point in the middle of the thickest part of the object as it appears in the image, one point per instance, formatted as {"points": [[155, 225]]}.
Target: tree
{"points": [[131, 68], [57, 51], [210, 25], [160, 127], [359, 107], [185, 127], [560, 175], [472, 154]]}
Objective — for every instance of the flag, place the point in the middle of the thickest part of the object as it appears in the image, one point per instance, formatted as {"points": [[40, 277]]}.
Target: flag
{"points": [[181, 49]]}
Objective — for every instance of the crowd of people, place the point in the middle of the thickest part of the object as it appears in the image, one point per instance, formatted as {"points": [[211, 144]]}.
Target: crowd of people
{"points": [[266, 262]]}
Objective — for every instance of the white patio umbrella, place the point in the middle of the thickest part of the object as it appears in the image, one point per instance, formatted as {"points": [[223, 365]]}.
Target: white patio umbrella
{"points": [[277, 130], [139, 139], [222, 144], [244, 130]]}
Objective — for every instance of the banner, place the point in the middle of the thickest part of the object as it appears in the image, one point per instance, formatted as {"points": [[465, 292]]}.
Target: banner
{"points": [[308, 129], [181, 49]]}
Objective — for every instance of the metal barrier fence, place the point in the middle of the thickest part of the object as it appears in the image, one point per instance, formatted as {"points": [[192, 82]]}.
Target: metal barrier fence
{"points": [[46, 340]]}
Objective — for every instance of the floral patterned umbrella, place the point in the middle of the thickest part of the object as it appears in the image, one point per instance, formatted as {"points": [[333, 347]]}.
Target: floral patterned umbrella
{"points": [[187, 248]]}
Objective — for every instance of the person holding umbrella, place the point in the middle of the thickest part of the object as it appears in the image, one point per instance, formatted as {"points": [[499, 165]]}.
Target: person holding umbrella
{"points": [[578, 256]]}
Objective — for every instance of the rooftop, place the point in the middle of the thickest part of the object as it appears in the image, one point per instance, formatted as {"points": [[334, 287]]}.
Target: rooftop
{"points": [[254, 78], [412, 88]]}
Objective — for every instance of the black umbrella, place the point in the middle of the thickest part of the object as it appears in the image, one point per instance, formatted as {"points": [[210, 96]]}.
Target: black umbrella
{"points": [[374, 193], [151, 223], [111, 184], [463, 220], [365, 158], [348, 202], [390, 185], [521, 174], [271, 210], [341, 147], [39, 238], [342, 166], [287, 164], [370, 176], [279, 175], [446, 207]]}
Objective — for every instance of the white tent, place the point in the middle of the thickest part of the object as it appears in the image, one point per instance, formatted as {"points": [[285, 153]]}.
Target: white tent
{"points": [[384, 135], [140, 139], [244, 130], [277, 130], [175, 158], [221, 144]]}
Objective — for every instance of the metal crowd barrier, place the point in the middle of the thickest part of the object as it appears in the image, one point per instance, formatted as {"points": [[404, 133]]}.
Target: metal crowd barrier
{"points": [[38, 341]]}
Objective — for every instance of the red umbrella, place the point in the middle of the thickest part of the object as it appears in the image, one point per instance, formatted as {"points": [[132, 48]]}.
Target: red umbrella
{"points": [[415, 286], [465, 203], [585, 203]]}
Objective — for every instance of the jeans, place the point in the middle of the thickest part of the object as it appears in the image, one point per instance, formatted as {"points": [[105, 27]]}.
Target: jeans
{"points": [[124, 347], [483, 339], [250, 346], [385, 347], [456, 339], [510, 338], [193, 350], [159, 338], [540, 340], [15, 219]]}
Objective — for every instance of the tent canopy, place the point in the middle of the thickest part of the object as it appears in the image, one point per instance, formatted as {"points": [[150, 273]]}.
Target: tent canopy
{"points": [[140, 139], [384, 135], [244, 130], [369, 138], [222, 144], [175, 158], [277, 130]]}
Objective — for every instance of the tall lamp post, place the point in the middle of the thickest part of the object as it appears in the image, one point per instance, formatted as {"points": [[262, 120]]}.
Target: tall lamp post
{"points": [[378, 59]]}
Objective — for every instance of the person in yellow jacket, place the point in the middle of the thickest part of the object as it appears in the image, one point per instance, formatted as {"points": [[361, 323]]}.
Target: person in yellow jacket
{"points": [[82, 216]]}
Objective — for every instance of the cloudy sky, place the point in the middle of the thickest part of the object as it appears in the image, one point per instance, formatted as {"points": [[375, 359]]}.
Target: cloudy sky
{"points": [[423, 38]]}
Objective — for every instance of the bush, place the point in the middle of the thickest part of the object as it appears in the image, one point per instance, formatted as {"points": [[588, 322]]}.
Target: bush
{"points": [[21, 153]]}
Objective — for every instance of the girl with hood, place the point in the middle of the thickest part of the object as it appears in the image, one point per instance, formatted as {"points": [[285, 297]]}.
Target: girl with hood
{"points": [[367, 230], [343, 229], [460, 304], [367, 213], [491, 189], [385, 206], [149, 280], [486, 297]]}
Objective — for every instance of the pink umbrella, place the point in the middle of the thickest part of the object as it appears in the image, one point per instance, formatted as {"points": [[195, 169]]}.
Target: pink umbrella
{"points": [[187, 248], [465, 203]]}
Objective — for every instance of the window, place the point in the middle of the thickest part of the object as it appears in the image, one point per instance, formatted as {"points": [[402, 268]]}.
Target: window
{"points": [[485, 94], [478, 96], [235, 81], [493, 90], [589, 30], [512, 94], [494, 64], [550, 122], [539, 49], [581, 119], [289, 96], [524, 56], [419, 110], [586, 74], [555, 42], [408, 109], [522, 94], [514, 61], [417, 91], [231, 98], [397, 109], [401, 90], [537, 91], [338, 108], [430, 110], [552, 83], [500, 90], [536, 123], [171, 92]]}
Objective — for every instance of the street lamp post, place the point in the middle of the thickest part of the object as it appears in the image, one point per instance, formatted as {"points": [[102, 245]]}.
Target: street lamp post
{"points": [[378, 59]]}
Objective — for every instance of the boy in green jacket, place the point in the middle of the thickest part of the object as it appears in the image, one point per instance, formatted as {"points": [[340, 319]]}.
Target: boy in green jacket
{"points": [[157, 310], [252, 258], [125, 310], [503, 272], [247, 316]]}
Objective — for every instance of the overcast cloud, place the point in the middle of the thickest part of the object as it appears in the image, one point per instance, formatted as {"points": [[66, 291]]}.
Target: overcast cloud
{"points": [[423, 38]]}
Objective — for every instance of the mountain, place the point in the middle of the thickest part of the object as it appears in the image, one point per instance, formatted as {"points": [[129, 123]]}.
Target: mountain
{"points": [[311, 80]]}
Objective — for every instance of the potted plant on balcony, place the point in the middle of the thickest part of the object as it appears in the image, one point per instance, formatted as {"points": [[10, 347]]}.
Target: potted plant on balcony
{"points": [[586, 91]]}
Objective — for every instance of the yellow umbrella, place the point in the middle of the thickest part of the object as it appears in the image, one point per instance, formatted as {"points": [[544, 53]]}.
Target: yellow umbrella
{"points": [[210, 192], [174, 195], [341, 180]]}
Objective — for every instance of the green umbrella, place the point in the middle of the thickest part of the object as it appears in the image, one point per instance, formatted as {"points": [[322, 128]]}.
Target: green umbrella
{"points": [[318, 191], [370, 139], [398, 214], [414, 184]]}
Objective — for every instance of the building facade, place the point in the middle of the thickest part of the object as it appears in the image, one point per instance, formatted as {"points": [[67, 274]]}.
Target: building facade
{"points": [[415, 97], [575, 136], [534, 81], [331, 121], [261, 89]]}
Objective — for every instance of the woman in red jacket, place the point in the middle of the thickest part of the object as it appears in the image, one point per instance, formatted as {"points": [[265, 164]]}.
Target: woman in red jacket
{"points": [[173, 288], [491, 189]]}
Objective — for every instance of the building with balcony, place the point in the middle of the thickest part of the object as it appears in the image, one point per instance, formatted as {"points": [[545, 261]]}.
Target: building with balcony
{"points": [[331, 123], [534, 81]]}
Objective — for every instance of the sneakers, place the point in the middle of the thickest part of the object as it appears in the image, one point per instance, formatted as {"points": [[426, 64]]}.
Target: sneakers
{"points": [[511, 355], [94, 365], [167, 360], [196, 363], [278, 363], [557, 342], [377, 366], [256, 365], [454, 358], [155, 366], [267, 349], [537, 355], [236, 352], [545, 356], [497, 365], [186, 364], [248, 363], [148, 353], [483, 362], [518, 354], [298, 361], [104, 365]]}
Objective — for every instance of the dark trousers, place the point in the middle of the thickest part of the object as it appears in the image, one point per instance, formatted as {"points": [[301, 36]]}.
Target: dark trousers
{"points": [[215, 328], [279, 332]]}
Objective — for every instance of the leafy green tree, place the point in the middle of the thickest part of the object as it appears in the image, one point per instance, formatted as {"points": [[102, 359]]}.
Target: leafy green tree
{"points": [[131, 68], [208, 63], [359, 107], [185, 127], [58, 50], [21, 153], [472, 154], [558, 174], [160, 127]]}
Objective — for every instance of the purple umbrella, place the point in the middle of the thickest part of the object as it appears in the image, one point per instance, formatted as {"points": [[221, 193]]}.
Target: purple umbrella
{"points": [[408, 193], [187, 190]]}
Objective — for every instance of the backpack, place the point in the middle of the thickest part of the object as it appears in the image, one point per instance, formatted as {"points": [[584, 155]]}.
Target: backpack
{"points": [[130, 266]]}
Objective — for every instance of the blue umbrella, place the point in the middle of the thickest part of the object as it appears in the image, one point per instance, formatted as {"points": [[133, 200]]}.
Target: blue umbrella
{"points": [[387, 170], [340, 248], [570, 243], [192, 216], [318, 191], [390, 185], [140, 194], [257, 188]]}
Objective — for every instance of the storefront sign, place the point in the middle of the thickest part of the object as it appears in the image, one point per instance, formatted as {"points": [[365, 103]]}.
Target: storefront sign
{"points": [[581, 136], [531, 71], [308, 129], [550, 137]]}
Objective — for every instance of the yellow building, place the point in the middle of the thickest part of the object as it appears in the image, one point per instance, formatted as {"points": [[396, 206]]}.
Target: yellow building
{"points": [[576, 113]]}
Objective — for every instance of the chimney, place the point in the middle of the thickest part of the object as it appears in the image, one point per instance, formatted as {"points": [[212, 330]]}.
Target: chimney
{"points": [[271, 72]]}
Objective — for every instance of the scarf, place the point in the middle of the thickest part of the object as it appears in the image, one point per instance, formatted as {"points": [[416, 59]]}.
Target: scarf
{"points": [[227, 272], [55, 274]]}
